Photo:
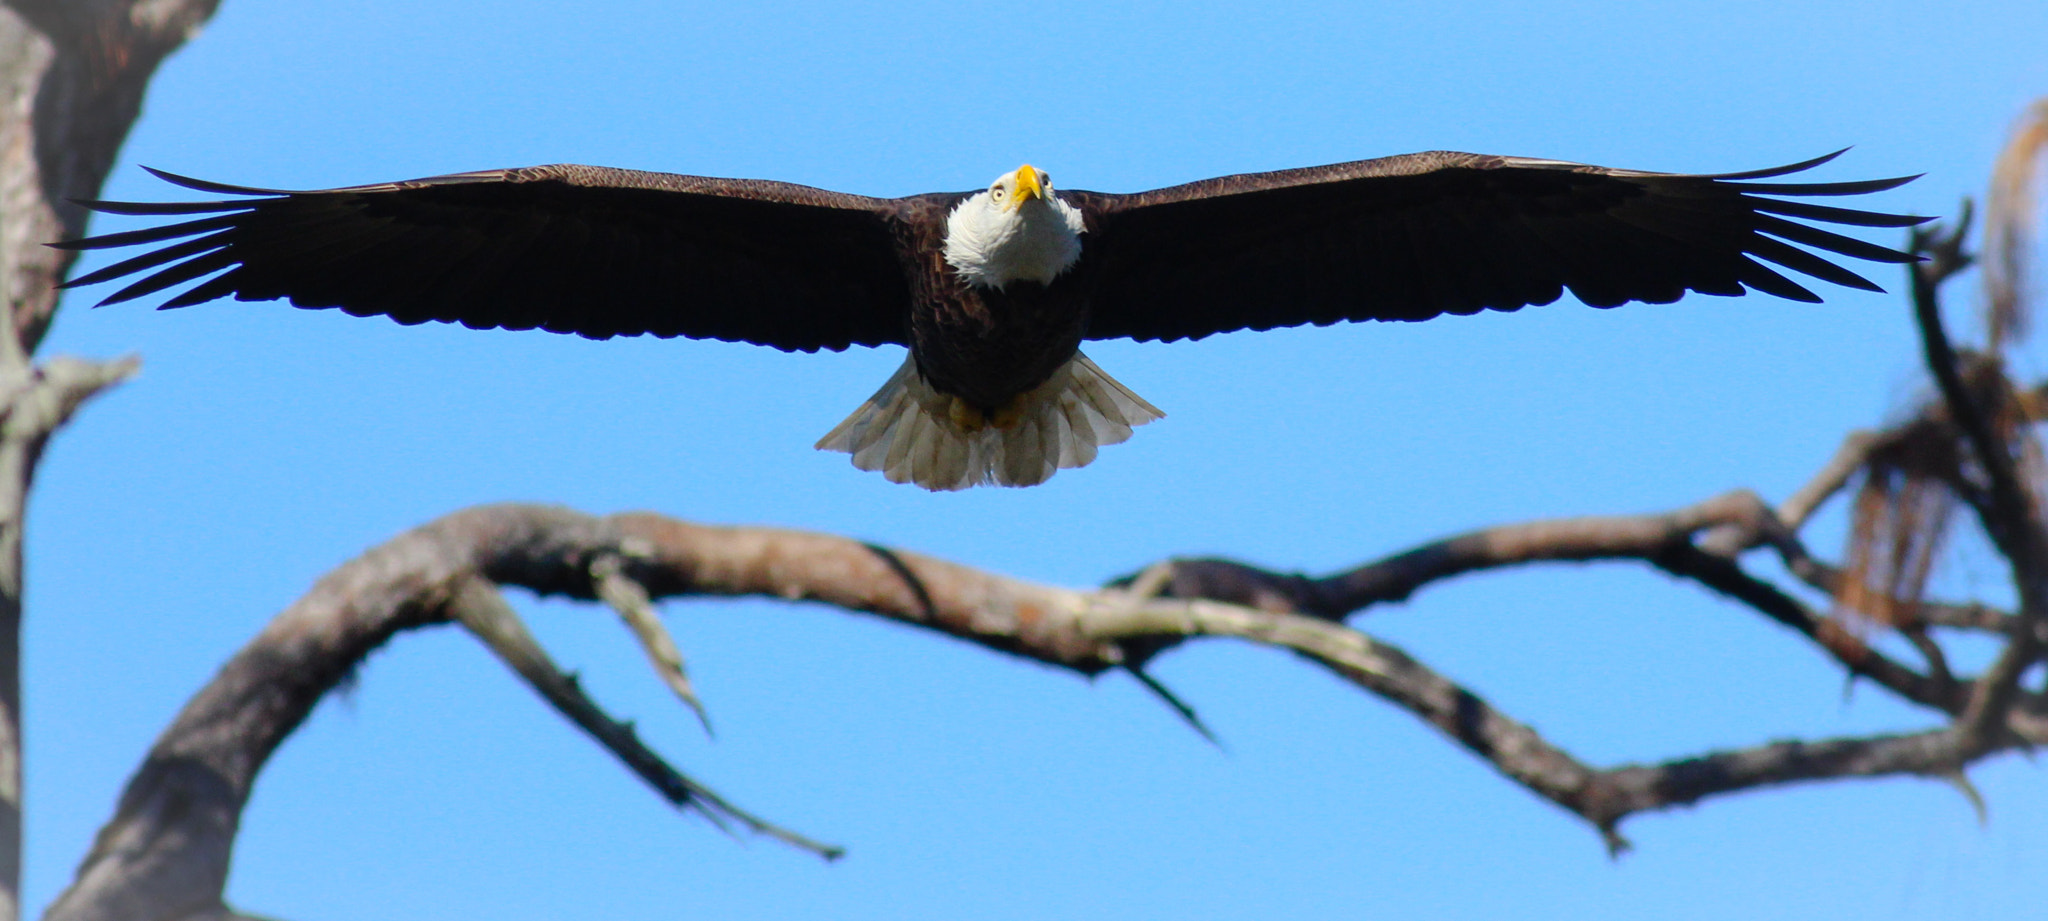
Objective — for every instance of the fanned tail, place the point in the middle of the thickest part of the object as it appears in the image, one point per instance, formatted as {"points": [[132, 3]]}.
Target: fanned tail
{"points": [[912, 433]]}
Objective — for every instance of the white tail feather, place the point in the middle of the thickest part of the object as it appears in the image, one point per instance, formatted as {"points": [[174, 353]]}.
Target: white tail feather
{"points": [[907, 430]]}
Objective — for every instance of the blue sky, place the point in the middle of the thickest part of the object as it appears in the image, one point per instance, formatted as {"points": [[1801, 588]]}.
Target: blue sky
{"points": [[262, 446]]}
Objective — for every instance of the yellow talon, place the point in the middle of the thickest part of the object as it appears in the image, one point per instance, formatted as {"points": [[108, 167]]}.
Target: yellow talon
{"points": [[1011, 413], [966, 416]]}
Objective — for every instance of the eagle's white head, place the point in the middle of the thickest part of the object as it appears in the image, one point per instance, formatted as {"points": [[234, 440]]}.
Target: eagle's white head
{"points": [[1018, 230]]}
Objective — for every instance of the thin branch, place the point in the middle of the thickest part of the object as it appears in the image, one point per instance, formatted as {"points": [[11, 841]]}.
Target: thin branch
{"points": [[1627, 790], [1943, 248], [1955, 615], [1144, 588], [1724, 576], [630, 600], [1855, 451], [1173, 701], [1825, 578], [1396, 577], [1734, 520], [2007, 512], [479, 607], [1968, 616], [1937, 661], [1379, 667]]}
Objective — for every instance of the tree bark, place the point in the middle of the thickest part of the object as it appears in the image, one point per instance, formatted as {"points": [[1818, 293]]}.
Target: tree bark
{"points": [[73, 73]]}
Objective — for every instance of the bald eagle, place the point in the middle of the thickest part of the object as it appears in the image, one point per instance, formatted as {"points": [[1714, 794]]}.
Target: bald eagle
{"points": [[993, 291]]}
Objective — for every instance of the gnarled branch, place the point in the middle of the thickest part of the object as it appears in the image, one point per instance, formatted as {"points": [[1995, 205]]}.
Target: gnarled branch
{"points": [[169, 842]]}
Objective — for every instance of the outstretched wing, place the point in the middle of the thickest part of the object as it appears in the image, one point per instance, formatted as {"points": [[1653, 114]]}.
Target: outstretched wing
{"points": [[1418, 236], [569, 249]]}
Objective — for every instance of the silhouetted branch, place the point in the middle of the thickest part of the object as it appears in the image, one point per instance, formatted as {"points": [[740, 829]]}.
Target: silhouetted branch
{"points": [[2006, 508], [1736, 521], [170, 841], [1396, 577], [1625, 790]]}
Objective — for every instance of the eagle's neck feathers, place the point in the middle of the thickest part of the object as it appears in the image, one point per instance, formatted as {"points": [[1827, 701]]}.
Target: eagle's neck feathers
{"points": [[991, 246]]}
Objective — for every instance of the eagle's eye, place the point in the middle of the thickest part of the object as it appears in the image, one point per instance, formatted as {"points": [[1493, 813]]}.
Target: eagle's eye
{"points": [[996, 192]]}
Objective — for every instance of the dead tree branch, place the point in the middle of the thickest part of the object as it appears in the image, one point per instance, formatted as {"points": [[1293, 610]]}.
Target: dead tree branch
{"points": [[2005, 506], [170, 840], [1736, 521], [1395, 578], [630, 600], [479, 607]]}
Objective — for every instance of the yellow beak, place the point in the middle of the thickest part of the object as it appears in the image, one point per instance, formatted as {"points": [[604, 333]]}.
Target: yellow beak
{"points": [[1027, 186]]}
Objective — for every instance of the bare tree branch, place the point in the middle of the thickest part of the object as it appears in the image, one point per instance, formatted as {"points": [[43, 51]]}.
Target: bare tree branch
{"points": [[634, 607], [1624, 790], [1955, 615], [1395, 578], [165, 853], [480, 608], [1724, 576], [1515, 749], [2007, 510], [1855, 451], [1859, 450], [1737, 520]]}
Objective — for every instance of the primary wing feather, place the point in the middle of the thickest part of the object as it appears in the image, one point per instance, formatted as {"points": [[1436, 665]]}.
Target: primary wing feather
{"points": [[1422, 235], [569, 249]]}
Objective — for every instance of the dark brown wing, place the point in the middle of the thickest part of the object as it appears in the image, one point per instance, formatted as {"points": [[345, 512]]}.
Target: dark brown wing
{"points": [[1417, 236], [569, 249]]}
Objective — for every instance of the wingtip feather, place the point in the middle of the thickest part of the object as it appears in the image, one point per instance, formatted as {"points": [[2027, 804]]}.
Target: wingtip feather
{"points": [[202, 185], [1787, 169]]}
